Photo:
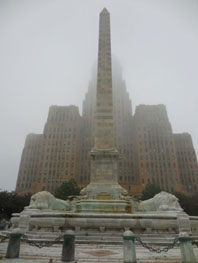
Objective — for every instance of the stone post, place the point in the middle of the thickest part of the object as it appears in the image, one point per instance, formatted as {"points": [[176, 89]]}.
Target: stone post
{"points": [[129, 247], [68, 251], [14, 245], [184, 223], [186, 248]]}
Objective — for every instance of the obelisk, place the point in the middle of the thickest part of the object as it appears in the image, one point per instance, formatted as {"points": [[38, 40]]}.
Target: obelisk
{"points": [[104, 132], [104, 192]]}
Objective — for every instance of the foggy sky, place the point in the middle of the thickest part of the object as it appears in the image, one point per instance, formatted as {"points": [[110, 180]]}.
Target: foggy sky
{"points": [[48, 47]]}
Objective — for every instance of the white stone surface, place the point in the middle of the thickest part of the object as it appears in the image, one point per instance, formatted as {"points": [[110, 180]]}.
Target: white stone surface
{"points": [[129, 251]]}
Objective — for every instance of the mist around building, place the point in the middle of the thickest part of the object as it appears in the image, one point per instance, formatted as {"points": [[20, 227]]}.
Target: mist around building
{"points": [[150, 153]]}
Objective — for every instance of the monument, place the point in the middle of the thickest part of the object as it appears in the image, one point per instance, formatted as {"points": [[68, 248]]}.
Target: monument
{"points": [[104, 207], [104, 194]]}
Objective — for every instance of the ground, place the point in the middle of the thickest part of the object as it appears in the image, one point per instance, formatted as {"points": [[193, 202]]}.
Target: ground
{"points": [[90, 254]]}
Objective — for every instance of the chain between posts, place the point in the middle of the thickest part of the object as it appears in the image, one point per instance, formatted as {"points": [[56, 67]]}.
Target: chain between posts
{"points": [[158, 250], [41, 244]]}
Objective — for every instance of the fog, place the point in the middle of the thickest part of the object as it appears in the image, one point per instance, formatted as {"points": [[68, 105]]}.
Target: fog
{"points": [[48, 47]]}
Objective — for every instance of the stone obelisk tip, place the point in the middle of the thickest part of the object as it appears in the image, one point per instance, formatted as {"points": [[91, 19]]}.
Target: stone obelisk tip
{"points": [[104, 10]]}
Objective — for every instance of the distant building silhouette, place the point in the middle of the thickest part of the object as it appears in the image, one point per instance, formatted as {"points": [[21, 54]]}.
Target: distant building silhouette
{"points": [[149, 151], [50, 159], [187, 162]]}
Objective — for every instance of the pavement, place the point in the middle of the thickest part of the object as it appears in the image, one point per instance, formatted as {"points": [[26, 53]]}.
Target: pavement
{"points": [[90, 253]]}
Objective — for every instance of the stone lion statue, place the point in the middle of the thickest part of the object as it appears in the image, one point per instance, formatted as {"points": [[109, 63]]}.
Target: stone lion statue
{"points": [[161, 202], [45, 200]]}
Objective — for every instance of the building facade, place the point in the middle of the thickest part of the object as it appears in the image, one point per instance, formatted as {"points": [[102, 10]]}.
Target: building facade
{"points": [[28, 168], [156, 151], [149, 151], [56, 155], [187, 162]]}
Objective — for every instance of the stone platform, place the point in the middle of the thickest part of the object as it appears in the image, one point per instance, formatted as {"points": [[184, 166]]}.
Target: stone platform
{"points": [[87, 224]]}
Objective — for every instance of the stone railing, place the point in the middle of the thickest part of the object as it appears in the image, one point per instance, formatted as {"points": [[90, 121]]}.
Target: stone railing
{"points": [[129, 247], [161, 223]]}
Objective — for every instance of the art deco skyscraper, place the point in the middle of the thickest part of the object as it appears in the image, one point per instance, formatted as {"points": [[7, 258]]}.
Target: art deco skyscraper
{"points": [[149, 152], [156, 152], [187, 162], [50, 159], [29, 165]]}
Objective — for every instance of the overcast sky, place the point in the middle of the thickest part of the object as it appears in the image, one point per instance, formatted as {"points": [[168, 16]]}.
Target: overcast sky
{"points": [[48, 47]]}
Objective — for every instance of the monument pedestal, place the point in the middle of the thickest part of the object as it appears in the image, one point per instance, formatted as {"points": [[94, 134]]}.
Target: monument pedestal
{"points": [[103, 206], [104, 191], [104, 194]]}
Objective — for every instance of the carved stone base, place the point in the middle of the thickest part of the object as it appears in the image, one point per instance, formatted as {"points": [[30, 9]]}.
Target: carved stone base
{"points": [[104, 191], [103, 206]]}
